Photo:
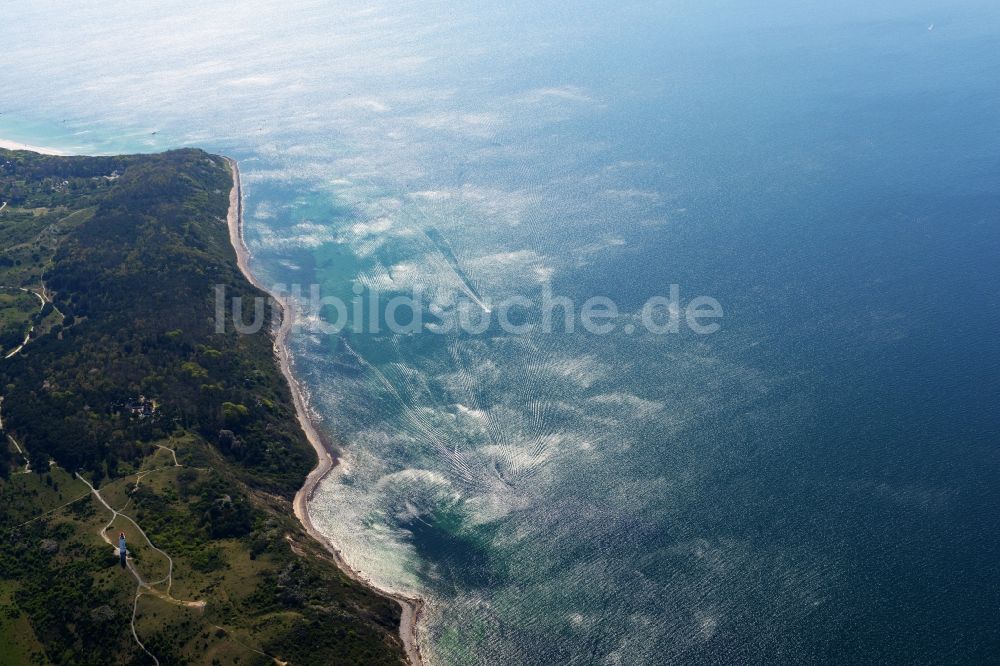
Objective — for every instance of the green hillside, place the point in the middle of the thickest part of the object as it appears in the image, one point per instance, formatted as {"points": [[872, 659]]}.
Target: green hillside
{"points": [[189, 436]]}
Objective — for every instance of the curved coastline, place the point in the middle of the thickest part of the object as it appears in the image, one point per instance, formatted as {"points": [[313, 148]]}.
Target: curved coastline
{"points": [[16, 145], [412, 607]]}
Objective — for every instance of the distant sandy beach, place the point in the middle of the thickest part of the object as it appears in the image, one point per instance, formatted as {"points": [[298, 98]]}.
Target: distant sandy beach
{"points": [[14, 145], [412, 607]]}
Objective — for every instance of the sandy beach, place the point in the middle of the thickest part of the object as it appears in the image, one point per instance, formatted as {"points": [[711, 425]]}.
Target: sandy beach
{"points": [[14, 145], [411, 607]]}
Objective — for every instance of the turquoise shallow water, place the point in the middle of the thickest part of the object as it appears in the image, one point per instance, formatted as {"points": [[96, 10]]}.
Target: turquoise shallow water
{"points": [[815, 482]]}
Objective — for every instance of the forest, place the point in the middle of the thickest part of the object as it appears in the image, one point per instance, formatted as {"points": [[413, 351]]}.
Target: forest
{"points": [[126, 385]]}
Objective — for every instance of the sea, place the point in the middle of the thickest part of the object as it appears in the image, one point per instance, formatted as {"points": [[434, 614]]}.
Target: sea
{"points": [[785, 445]]}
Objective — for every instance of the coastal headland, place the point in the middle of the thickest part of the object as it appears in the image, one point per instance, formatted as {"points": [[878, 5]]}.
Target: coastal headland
{"points": [[125, 410]]}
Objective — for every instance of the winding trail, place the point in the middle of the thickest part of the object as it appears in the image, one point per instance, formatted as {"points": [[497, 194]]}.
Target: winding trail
{"points": [[147, 587], [168, 579], [412, 607], [172, 452], [43, 299], [142, 585], [27, 336]]}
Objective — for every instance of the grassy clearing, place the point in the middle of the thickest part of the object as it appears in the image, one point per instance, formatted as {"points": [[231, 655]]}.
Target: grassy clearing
{"points": [[18, 643], [29, 496]]}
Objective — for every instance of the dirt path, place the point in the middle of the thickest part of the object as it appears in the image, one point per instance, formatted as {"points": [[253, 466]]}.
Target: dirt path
{"points": [[141, 584], [17, 445], [411, 607], [27, 336], [172, 452], [53, 510], [168, 579], [142, 587]]}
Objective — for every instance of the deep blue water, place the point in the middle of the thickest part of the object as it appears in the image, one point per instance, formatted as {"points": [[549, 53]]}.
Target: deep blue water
{"points": [[816, 482]]}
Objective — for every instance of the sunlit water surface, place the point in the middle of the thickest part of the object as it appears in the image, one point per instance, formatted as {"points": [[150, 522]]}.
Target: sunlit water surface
{"points": [[816, 482]]}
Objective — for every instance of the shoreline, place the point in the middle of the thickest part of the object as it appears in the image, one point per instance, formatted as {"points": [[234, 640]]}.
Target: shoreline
{"points": [[412, 608], [14, 145]]}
